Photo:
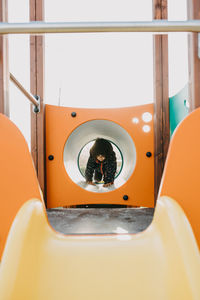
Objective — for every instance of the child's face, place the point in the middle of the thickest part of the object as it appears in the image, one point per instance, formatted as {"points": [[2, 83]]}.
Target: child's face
{"points": [[100, 157]]}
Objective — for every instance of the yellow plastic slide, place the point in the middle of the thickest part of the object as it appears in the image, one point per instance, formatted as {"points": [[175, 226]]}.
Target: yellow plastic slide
{"points": [[160, 263]]}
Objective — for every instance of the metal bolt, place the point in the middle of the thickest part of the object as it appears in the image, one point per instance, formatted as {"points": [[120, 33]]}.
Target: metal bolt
{"points": [[51, 157], [148, 154], [36, 109], [73, 114], [125, 197]]}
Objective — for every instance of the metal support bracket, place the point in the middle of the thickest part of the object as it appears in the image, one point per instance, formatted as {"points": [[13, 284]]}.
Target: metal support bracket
{"points": [[36, 108]]}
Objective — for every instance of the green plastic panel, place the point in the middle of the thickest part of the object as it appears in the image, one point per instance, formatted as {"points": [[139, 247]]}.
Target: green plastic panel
{"points": [[178, 108]]}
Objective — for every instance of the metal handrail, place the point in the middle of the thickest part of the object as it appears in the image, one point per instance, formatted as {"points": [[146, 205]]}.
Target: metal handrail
{"points": [[24, 91], [87, 27]]}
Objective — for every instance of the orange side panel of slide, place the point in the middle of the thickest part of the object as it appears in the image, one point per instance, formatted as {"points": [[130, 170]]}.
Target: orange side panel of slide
{"points": [[181, 177], [18, 180]]}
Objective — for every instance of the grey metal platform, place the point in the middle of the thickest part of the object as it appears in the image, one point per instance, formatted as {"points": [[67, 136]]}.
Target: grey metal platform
{"points": [[100, 220]]}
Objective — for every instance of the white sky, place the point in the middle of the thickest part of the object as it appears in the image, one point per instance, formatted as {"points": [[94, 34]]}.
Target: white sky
{"points": [[95, 69], [99, 70]]}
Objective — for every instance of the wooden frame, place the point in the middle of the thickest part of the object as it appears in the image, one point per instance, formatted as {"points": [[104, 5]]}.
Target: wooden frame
{"points": [[37, 88], [4, 69], [194, 61], [161, 116], [161, 95]]}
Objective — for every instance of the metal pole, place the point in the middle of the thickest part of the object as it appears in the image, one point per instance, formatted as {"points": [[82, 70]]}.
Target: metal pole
{"points": [[4, 63], [24, 91], [86, 27]]}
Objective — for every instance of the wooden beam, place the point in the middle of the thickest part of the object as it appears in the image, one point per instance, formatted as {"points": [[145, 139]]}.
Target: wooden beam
{"points": [[4, 65], [37, 88], [161, 96], [193, 60]]}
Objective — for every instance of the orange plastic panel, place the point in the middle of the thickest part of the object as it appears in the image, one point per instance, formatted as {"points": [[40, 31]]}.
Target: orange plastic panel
{"points": [[62, 191], [18, 180], [181, 177]]}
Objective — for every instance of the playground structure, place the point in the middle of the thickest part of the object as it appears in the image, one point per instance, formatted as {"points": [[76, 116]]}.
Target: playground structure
{"points": [[40, 263], [160, 263]]}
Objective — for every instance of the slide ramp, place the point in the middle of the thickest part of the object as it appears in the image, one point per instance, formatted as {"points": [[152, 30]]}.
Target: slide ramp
{"points": [[160, 263]]}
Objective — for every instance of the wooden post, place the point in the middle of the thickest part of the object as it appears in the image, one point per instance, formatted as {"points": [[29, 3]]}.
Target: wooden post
{"points": [[193, 60], [4, 66], [37, 88], [161, 95]]}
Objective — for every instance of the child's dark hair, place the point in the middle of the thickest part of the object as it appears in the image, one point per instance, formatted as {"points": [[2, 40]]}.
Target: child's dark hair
{"points": [[101, 147]]}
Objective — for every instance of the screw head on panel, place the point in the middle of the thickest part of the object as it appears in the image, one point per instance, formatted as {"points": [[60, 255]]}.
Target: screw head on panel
{"points": [[148, 154], [73, 114], [50, 157]]}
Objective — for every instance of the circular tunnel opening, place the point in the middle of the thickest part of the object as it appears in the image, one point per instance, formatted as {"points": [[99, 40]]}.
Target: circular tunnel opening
{"points": [[81, 139]]}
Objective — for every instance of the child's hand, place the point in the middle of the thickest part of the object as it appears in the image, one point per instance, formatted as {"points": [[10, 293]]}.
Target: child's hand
{"points": [[107, 184], [90, 182]]}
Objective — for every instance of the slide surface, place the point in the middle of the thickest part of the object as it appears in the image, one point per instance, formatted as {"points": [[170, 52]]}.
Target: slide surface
{"points": [[162, 262]]}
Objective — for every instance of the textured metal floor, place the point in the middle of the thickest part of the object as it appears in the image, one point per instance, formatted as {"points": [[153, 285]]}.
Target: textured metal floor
{"points": [[100, 220]]}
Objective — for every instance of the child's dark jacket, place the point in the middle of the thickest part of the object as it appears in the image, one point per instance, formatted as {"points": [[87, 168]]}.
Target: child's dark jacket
{"points": [[107, 168]]}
